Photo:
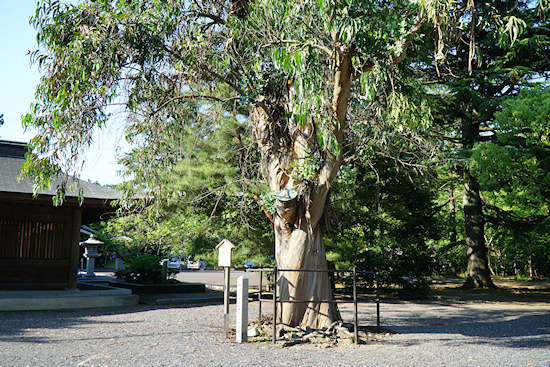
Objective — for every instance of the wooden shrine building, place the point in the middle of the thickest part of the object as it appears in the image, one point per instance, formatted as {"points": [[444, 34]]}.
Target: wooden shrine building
{"points": [[39, 243]]}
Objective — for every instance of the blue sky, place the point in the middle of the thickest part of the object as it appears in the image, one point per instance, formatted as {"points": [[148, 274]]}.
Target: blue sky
{"points": [[18, 81]]}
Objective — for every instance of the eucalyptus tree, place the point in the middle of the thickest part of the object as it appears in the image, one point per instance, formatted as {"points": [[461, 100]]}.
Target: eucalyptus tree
{"points": [[291, 68]]}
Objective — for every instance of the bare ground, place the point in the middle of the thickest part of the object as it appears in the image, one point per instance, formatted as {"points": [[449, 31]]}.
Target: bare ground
{"points": [[455, 327], [509, 291]]}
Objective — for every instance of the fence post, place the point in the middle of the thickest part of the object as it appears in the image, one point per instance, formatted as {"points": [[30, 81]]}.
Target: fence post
{"points": [[377, 302], [355, 305], [275, 305], [260, 293]]}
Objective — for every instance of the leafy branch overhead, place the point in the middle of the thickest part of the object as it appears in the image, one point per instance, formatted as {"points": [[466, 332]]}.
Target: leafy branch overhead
{"points": [[152, 65]]}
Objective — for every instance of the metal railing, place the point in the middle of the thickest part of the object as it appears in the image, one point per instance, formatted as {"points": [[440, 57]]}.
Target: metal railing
{"points": [[355, 299]]}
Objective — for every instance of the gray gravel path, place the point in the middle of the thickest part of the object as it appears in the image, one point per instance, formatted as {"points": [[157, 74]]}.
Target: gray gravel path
{"points": [[429, 333]]}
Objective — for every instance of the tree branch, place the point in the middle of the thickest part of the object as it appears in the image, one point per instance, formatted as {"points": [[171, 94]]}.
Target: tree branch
{"points": [[267, 214], [207, 70], [313, 45], [507, 218], [399, 58], [192, 96], [213, 17], [407, 41]]}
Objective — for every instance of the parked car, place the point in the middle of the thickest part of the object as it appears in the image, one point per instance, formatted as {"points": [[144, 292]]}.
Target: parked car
{"points": [[196, 265], [249, 264], [173, 263]]}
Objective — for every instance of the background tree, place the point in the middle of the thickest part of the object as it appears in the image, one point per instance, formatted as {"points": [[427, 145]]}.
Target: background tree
{"points": [[515, 174], [383, 213], [487, 51]]}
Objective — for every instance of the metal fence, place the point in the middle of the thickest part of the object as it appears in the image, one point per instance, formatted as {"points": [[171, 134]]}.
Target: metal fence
{"points": [[346, 298]]}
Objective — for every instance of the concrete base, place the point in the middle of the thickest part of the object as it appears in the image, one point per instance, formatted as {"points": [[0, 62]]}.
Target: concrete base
{"points": [[65, 300], [160, 288]]}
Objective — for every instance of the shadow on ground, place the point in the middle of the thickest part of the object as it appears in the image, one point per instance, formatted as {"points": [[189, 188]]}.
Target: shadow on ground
{"points": [[517, 315]]}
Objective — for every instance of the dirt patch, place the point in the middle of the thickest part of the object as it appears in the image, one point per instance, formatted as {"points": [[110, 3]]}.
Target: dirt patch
{"points": [[337, 335]]}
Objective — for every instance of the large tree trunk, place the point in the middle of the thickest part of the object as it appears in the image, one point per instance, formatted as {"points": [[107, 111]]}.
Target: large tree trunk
{"points": [[298, 228], [474, 222], [297, 225], [478, 266], [300, 247]]}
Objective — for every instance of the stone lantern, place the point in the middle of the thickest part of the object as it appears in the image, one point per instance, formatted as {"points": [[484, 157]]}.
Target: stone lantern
{"points": [[92, 244]]}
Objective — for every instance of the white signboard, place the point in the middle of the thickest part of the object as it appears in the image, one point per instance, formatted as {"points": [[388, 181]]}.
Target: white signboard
{"points": [[224, 253]]}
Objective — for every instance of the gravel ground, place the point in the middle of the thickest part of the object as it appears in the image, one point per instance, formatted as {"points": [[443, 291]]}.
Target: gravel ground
{"points": [[439, 332]]}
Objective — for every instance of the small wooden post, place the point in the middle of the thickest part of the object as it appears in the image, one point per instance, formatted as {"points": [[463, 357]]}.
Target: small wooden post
{"points": [[227, 274], [164, 271], [260, 293]]}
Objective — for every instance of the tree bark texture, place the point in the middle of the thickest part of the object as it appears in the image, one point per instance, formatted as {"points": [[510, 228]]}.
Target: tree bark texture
{"points": [[297, 248], [478, 274], [478, 266]]}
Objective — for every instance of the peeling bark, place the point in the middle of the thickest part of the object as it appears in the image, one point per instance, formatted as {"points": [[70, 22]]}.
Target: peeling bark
{"points": [[298, 234], [297, 248]]}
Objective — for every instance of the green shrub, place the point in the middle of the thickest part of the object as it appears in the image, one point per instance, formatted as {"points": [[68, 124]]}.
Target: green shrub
{"points": [[417, 288], [520, 277], [144, 269]]}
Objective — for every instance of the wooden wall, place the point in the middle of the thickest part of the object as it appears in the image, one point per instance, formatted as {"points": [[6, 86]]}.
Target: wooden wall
{"points": [[38, 246]]}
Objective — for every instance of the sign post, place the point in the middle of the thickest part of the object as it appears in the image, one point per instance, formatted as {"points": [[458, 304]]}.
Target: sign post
{"points": [[224, 259]]}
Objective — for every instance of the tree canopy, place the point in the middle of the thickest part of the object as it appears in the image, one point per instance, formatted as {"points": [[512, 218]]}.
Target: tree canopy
{"points": [[158, 66]]}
